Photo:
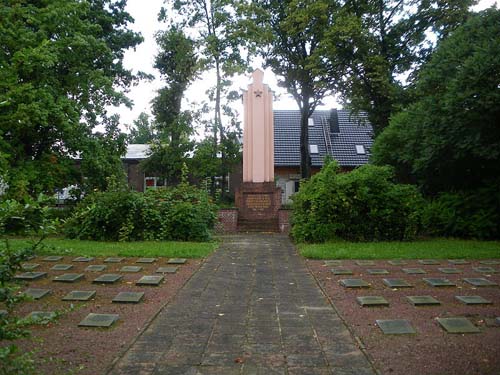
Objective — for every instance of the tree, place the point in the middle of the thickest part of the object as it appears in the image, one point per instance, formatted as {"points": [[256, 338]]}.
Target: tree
{"points": [[449, 138], [378, 41], [61, 66], [215, 27], [289, 35], [142, 131]]}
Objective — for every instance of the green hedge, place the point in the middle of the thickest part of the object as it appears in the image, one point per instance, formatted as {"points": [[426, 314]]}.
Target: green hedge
{"points": [[362, 205], [183, 213]]}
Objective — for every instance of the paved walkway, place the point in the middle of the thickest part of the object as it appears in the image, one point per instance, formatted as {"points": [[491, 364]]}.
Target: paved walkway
{"points": [[252, 308]]}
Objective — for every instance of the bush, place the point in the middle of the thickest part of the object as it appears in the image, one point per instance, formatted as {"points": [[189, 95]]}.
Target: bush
{"points": [[474, 214], [363, 205], [182, 213]]}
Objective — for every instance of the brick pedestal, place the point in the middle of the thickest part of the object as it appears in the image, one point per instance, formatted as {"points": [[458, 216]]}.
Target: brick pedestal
{"points": [[258, 201]]}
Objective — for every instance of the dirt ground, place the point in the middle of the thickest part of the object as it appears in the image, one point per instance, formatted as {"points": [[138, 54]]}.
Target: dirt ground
{"points": [[431, 350], [62, 347]]}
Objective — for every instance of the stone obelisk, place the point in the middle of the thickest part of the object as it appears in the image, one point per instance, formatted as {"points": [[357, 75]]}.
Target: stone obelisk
{"points": [[258, 198]]}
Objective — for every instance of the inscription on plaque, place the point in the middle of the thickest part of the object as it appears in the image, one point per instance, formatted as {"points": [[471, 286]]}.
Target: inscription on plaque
{"points": [[258, 202]]}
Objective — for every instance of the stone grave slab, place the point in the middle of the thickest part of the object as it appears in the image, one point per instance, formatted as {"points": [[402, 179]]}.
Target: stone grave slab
{"points": [[167, 269], [128, 297], [396, 283], [41, 315], [149, 280], [52, 258], [473, 300], [423, 300], [377, 271], [341, 271], [413, 271], [449, 270], [395, 327], [29, 266], [330, 263], [96, 268], [146, 260], [372, 301], [438, 282], [490, 262], [365, 263], [497, 320], [68, 277], [36, 293], [79, 295], [397, 262], [113, 260], [354, 283], [130, 269], [177, 261], [458, 261], [108, 278], [83, 259], [30, 275], [98, 320], [457, 325], [479, 281], [3, 313], [429, 262], [484, 269], [61, 267]]}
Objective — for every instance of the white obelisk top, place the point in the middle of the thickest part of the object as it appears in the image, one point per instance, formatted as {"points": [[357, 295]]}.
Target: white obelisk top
{"points": [[258, 131]]}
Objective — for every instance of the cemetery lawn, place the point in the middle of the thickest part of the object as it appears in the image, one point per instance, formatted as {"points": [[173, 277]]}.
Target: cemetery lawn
{"points": [[433, 248], [60, 246]]}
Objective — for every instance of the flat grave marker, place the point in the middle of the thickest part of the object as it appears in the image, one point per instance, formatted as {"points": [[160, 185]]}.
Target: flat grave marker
{"points": [[429, 262], [3, 313], [490, 262], [372, 301], [99, 320], [113, 260], [36, 293], [52, 258], [423, 300], [146, 260], [438, 282], [149, 280], [341, 271], [457, 325], [330, 263], [484, 269], [68, 277], [449, 270], [128, 297], [414, 271], [167, 270], [83, 259], [61, 267], [473, 300], [108, 278], [79, 295], [177, 261], [40, 315], [96, 268], [29, 266], [354, 283], [30, 275], [395, 327], [130, 269], [479, 281], [458, 261], [397, 283], [365, 263], [377, 271], [397, 262]]}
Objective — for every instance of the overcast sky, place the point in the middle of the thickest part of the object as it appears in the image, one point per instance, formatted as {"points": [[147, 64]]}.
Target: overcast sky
{"points": [[143, 57]]}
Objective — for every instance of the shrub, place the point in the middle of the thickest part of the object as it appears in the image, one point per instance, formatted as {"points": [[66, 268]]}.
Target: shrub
{"points": [[363, 205], [181, 213], [473, 214]]}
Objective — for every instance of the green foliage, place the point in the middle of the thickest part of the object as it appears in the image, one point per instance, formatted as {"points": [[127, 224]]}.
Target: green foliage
{"points": [[182, 213], [363, 205], [142, 131], [15, 363]]}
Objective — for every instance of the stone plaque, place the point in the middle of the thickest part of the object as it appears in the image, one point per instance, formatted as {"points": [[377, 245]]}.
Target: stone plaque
{"points": [[61, 267], [258, 202], [96, 268], [30, 275], [397, 262], [149, 280], [42, 315], [341, 271], [377, 271], [108, 278], [429, 261], [146, 260], [166, 270], [372, 301], [68, 277], [490, 262], [83, 259], [98, 320], [128, 297], [480, 282], [395, 327], [449, 270], [458, 261], [330, 263], [113, 260], [413, 271], [177, 261], [36, 293], [29, 266], [423, 300], [396, 283], [438, 282], [130, 269], [473, 300], [52, 258], [457, 325], [365, 263], [485, 269], [79, 295], [354, 283]]}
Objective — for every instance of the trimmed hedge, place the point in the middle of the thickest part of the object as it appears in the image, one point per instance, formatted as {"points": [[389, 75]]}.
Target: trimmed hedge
{"points": [[362, 205]]}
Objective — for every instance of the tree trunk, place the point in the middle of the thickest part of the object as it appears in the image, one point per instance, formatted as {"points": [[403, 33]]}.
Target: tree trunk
{"points": [[305, 157]]}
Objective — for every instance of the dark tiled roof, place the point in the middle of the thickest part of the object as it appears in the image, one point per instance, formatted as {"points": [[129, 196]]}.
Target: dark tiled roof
{"points": [[354, 130]]}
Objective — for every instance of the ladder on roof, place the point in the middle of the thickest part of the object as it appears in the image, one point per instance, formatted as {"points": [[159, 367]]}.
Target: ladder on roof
{"points": [[326, 134]]}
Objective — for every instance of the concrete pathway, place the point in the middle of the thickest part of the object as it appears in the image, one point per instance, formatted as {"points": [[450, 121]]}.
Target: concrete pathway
{"points": [[252, 308]]}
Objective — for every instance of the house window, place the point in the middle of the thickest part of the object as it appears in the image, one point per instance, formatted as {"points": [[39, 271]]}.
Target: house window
{"points": [[153, 182], [311, 121], [360, 150], [313, 149]]}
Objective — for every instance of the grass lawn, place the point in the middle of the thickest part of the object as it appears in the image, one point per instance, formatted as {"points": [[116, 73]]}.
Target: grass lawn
{"points": [[60, 246], [434, 248]]}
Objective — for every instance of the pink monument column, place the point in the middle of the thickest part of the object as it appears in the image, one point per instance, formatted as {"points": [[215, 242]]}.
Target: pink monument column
{"points": [[258, 131]]}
